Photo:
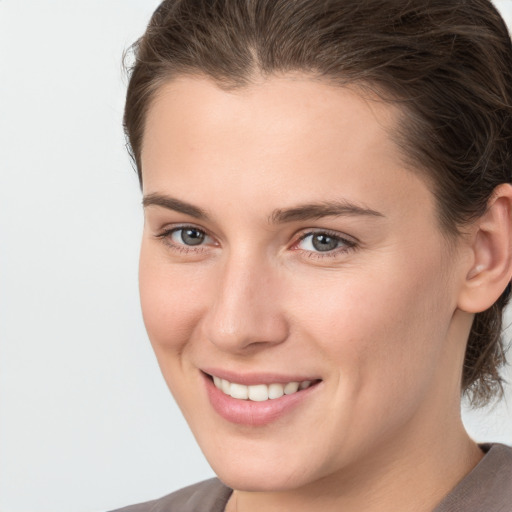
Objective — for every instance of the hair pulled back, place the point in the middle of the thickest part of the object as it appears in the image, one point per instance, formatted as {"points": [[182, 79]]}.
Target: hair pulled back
{"points": [[446, 63]]}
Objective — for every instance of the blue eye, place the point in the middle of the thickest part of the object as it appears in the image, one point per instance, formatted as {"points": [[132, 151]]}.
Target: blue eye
{"points": [[188, 236], [323, 242]]}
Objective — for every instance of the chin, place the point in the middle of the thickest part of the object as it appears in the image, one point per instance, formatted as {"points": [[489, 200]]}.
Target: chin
{"points": [[262, 479], [264, 469]]}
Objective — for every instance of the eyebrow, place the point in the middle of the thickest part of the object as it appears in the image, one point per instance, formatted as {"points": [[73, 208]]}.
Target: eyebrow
{"points": [[174, 204], [318, 210], [308, 211]]}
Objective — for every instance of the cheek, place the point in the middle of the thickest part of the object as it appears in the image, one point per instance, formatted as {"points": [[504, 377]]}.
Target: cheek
{"points": [[170, 301], [384, 328]]}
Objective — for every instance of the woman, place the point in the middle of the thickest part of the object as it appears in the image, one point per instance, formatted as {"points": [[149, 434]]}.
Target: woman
{"points": [[327, 246]]}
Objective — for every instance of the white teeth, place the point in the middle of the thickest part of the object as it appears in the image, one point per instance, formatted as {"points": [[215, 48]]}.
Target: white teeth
{"points": [[225, 386], [259, 392], [291, 387], [239, 391], [275, 391]]}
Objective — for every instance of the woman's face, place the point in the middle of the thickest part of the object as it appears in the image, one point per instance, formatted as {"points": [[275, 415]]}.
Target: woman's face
{"points": [[286, 242]]}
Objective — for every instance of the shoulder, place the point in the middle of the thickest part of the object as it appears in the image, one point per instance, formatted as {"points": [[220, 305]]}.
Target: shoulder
{"points": [[488, 487], [208, 496]]}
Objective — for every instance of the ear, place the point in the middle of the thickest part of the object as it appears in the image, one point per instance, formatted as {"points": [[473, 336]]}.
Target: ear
{"points": [[491, 254]]}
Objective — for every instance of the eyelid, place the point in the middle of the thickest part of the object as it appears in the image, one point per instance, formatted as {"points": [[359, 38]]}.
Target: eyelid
{"points": [[348, 242], [166, 233], [349, 239]]}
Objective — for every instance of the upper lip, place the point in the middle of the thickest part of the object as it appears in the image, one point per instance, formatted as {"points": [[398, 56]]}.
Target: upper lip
{"points": [[254, 378]]}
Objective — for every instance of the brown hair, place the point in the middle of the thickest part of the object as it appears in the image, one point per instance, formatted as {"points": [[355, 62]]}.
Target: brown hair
{"points": [[447, 63]]}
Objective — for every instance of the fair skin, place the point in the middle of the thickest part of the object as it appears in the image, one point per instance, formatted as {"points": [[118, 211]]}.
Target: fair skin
{"points": [[366, 299]]}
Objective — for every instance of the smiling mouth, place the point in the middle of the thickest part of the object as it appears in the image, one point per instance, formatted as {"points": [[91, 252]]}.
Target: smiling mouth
{"points": [[260, 392]]}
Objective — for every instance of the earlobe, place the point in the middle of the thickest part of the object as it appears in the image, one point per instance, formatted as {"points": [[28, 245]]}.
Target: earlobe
{"points": [[491, 248]]}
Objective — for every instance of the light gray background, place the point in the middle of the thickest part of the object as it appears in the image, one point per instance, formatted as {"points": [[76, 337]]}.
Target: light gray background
{"points": [[86, 421]]}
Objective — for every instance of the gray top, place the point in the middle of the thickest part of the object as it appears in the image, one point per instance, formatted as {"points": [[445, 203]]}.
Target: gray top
{"points": [[488, 488]]}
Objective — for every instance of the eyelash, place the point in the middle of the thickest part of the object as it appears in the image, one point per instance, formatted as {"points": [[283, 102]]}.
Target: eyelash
{"points": [[347, 245], [166, 237]]}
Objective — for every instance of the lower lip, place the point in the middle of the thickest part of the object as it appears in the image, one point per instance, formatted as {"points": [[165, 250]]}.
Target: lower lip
{"points": [[248, 412]]}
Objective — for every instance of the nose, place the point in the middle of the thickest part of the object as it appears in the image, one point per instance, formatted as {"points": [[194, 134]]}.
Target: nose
{"points": [[246, 312]]}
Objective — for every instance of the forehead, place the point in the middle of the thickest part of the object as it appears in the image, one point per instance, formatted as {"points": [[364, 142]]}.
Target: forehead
{"points": [[273, 112], [283, 140]]}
